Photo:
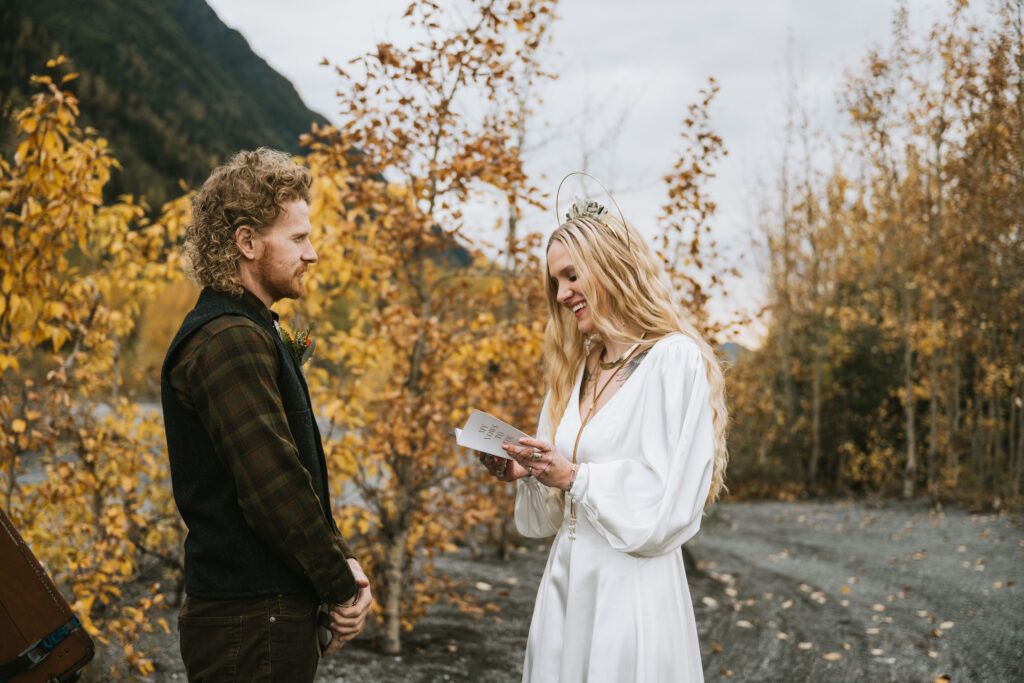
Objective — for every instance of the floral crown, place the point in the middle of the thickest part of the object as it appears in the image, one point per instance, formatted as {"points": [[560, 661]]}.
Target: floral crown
{"points": [[586, 208]]}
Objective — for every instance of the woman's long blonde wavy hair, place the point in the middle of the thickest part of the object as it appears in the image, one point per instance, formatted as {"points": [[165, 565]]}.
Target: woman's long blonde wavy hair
{"points": [[628, 294]]}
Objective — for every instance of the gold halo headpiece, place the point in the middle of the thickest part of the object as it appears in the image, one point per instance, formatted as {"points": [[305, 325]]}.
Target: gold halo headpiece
{"points": [[589, 208]]}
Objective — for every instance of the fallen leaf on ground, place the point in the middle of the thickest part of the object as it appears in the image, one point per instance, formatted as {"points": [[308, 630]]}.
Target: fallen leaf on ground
{"points": [[512, 580], [782, 636], [877, 651], [805, 646], [787, 604], [743, 623], [873, 631], [832, 656], [877, 607], [715, 647], [942, 678], [727, 672], [845, 590], [709, 601], [920, 613], [933, 654], [946, 625]]}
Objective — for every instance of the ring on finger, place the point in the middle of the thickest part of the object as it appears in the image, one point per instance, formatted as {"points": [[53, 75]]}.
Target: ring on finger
{"points": [[536, 456]]}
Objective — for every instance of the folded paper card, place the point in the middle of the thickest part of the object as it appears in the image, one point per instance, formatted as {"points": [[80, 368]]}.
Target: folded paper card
{"points": [[486, 433]]}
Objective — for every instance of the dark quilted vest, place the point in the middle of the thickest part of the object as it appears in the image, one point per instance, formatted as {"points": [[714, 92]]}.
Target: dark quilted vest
{"points": [[224, 558]]}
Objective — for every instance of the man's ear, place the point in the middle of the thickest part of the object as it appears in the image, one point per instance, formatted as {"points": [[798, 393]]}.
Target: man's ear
{"points": [[245, 240]]}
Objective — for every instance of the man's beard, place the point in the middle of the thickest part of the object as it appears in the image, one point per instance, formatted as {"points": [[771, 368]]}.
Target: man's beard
{"points": [[279, 287]]}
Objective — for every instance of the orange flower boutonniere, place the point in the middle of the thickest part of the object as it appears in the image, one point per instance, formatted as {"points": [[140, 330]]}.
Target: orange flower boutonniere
{"points": [[300, 344]]}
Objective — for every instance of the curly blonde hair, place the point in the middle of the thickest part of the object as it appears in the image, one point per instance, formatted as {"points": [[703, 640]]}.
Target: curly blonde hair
{"points": [[634, 298], [251, 189]]}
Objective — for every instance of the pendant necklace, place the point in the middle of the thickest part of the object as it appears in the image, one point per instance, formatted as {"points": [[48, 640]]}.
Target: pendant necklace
{"points": [[617, 364], [618, 361]]}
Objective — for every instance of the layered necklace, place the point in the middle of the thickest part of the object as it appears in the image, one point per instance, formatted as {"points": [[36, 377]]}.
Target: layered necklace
{"points": [[618, 361], [617, 364]]}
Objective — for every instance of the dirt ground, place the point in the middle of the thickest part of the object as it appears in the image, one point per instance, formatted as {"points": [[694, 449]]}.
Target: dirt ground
{"points": [[782, 592]]}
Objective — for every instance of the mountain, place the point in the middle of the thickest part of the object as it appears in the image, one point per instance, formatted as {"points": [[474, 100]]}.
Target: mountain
{"points": [[732, 351], [172, 88]]}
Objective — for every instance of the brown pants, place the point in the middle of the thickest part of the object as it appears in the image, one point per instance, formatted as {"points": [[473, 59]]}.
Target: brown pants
{"points": [[263, 639]]}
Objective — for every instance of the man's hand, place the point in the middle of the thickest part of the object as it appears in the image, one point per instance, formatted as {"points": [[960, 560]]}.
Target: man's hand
{"points": [[347, 622]]}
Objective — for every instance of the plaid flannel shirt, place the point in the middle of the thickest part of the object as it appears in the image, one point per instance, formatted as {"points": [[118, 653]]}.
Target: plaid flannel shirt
{"points": [[226, 372]]}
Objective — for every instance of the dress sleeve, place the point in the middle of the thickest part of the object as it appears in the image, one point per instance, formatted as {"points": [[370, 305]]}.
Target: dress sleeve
{"points": [[539, 509], [652, 503]]}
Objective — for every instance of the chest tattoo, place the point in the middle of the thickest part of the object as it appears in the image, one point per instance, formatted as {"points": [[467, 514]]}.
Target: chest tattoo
{"points": [[630, 367], [589, 376]]}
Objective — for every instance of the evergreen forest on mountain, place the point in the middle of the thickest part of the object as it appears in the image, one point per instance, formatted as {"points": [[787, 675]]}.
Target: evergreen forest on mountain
{"points": [[173, 89]]}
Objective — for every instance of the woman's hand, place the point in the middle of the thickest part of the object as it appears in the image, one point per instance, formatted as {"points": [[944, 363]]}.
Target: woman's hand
{"points": [[539, 459], [502, 469]]}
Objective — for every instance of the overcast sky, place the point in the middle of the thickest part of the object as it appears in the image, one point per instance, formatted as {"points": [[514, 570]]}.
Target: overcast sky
{"points": [[637, 66]]}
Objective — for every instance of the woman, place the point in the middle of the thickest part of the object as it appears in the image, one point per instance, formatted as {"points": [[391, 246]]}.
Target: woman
{"points": [[631, 448]]}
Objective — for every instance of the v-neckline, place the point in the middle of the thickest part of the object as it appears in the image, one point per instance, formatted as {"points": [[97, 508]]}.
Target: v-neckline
{"points": [[579, 381]]}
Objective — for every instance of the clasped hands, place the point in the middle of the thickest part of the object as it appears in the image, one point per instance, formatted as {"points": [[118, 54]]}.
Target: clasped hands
{"points": [[346, 621], [530, 457]]}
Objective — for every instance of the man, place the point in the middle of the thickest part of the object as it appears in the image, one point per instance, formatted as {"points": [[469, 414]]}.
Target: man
{"points": [[247, 464]]}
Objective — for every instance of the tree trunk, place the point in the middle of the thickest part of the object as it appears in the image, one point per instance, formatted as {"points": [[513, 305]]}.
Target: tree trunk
{"points": [[910, 473], [994, 451], [952, 465], [1020, 439], [815, 418], [933, 414], [1015, 423], [12, 473], [935, 235], [395, 553]]}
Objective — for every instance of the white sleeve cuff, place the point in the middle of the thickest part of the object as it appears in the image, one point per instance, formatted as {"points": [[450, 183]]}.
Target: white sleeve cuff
{"points": [[579, 485]]}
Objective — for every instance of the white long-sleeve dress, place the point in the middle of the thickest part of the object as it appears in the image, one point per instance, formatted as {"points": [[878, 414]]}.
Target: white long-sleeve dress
{"points": [[613, 604]]}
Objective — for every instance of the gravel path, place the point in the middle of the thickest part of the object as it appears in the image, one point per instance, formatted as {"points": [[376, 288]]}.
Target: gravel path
{"points": [[854, 592], [783, 592]]}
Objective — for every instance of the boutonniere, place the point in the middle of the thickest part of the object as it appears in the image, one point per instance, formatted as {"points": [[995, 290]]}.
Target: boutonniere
{"points": [[300, 344]]}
